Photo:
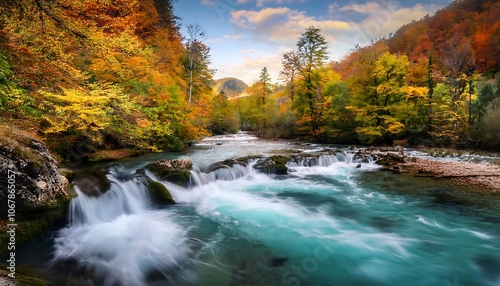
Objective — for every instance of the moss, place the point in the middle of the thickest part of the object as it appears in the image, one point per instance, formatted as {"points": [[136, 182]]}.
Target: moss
{"points": [[32, 224], [18, 140], [276, 165], [159, 192], [30, 281], [68, 174], [180, 177], [29, 155], [27, 277]]}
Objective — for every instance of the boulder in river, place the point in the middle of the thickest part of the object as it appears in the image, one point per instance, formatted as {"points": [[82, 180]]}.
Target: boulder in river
{"points": [[177, 171], [159, 193], [273, 165]]}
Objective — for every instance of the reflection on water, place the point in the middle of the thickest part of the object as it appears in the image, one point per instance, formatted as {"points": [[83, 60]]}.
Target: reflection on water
{"points": [[325, 223]]}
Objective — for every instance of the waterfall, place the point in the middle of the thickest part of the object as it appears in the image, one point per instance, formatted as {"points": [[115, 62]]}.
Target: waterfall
{"points": [[325, 160], [127, 197], [223, 173], [119, 237]]}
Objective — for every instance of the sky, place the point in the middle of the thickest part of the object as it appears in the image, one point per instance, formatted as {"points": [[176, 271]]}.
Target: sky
{"points": [[247, 35]]}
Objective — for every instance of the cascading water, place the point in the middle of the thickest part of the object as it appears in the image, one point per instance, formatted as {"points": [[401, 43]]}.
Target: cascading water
{"points": [[119, 237], [328, 221]]}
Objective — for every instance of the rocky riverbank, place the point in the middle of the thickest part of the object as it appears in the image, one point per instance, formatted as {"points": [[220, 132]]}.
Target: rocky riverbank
{"points": [[33, 195], [484, 176]]}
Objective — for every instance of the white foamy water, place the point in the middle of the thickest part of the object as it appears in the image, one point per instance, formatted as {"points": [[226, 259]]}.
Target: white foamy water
{"points": [[119, 237]]}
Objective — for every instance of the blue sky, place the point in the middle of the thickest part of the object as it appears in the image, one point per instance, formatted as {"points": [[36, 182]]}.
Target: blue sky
{"points": [[247, 35]]}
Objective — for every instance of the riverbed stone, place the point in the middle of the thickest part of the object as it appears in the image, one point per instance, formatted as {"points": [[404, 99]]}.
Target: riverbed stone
{"points": [[273, 165], [177, 171], [159, 193], [243, 161], [92, 183]]}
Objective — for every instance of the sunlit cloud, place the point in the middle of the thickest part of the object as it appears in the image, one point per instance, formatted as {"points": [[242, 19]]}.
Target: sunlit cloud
{"points": [[283, 24], [250, 51], [207, 2], [379, 19], [250, 64], [262, 3], [234, 37]]}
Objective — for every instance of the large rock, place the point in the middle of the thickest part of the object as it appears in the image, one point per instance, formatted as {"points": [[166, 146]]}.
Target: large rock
{"points": [[273, 165], [177, 171], [243, 161], [37, 183], [159, 193], [41, 193]]}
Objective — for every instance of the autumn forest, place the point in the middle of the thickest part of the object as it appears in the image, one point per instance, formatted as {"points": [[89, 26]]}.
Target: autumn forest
{"points": [[102, 75]]}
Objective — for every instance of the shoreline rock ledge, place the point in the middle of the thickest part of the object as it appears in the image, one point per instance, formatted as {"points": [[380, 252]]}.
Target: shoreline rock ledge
{"points": [[41, 193], [37, 183]]}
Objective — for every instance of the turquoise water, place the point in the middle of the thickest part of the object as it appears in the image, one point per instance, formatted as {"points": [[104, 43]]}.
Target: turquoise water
{"points": [[327, 223]]}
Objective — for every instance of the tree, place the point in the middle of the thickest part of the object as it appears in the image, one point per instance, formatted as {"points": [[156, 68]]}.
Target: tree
{"points": [[291, 64], [379, 94], [265, 83], [457, 59], [312, 51], [197, 53], [5, 84], [430, 86]]}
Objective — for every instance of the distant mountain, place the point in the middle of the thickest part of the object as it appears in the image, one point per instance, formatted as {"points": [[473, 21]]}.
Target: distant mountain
{"points": [[231, 86]]}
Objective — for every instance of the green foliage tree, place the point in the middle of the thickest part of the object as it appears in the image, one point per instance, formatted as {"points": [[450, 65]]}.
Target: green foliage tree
{"points": [[265, 84], [5, 84], [379, 95], [223, 119], [490, 124], [312, 51]]}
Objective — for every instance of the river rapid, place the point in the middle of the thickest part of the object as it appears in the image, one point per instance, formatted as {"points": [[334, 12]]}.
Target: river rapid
{"points": [[327, 222]]}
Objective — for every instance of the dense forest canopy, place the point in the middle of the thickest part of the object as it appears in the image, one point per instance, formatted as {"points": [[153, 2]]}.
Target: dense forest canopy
{"points": [[103, 74], [97, 75]]}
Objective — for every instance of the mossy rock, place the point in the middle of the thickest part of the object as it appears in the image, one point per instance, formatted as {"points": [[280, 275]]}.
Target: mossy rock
{"points": [[25, 276], [30, 281], [31, 224], [159, 193], [391, 159], [243, 161], [177, 171], [67, 173], [273, 165]]}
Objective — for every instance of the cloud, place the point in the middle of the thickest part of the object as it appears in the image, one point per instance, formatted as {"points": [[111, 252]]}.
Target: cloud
{"points": [[366, 8], [282, 24], [249, 51], [378, 19], [233, 37], [250, 64], [261, 3], [207, 2]]}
